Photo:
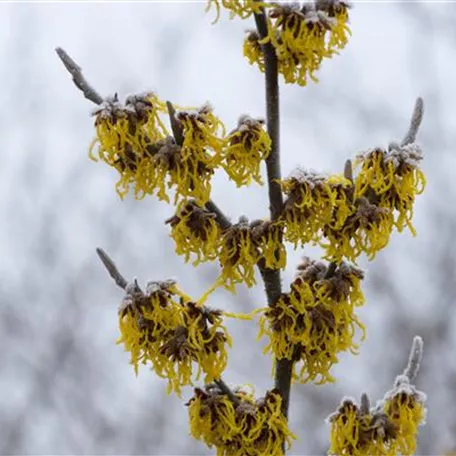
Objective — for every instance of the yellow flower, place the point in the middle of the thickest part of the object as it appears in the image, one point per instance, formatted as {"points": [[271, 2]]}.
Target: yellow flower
{"points": [[189, 178], [247, 146], [314, 202], [173, 336], [203, 136], [252, 49], [242, 427], [340, 31], [200, 338], [238, 255], [125, 136], [195, 231], [368, 230], [267, 237], [392, 179], [315, 321], [241, 8], [139, 337], [404, 406]]}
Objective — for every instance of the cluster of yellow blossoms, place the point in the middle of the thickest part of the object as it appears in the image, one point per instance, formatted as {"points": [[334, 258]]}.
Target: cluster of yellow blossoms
{"points": [[391, 180], [389, 428], [165, 328], [302, 36], [239, 426], [133, 139], [239, 247], [315, 320], [314, 202], [348, 217]]}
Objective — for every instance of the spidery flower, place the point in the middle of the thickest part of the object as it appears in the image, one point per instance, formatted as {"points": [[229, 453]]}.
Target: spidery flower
{"points": [[241, 8], [267, 237], [337, 10], [173, 335], [404, 407], [247, 146], [253, 51], [367, 230], [242, 427], [316, 320], [203, 133], [200, 338], [189, 178], [125, 135], [313, 202], [195, 231], [392, 179], [238, 255]]}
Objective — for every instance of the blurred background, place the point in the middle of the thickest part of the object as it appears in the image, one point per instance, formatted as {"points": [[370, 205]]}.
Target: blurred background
{"points": [[66, 387]]}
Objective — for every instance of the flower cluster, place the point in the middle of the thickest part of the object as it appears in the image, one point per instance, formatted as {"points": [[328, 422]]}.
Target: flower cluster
{"points": [[126, 135], [392, 179], [314, 202], [389, 428], [165, 328], [240, 427], [367, 230], [315, 320], [133, 139], [347, 217], [195, 231], [302, 36], [247, 146], [241, 8]]}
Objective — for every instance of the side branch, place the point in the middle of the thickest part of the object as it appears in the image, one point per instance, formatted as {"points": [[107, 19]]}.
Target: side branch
{"points": [[415, 122], [111, 267], [79, 81]]}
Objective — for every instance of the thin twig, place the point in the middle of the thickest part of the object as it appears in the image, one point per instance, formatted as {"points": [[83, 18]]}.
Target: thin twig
{"points": [[348, 170], [176, 126], [224, 388], [178, 133], [79, 81], [365, 404], [415, 122], [271, 278], [110, 266], [416, 355]]}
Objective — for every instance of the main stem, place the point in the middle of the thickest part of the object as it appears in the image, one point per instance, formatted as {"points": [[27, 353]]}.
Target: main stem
{"points": [[271, 278]]}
